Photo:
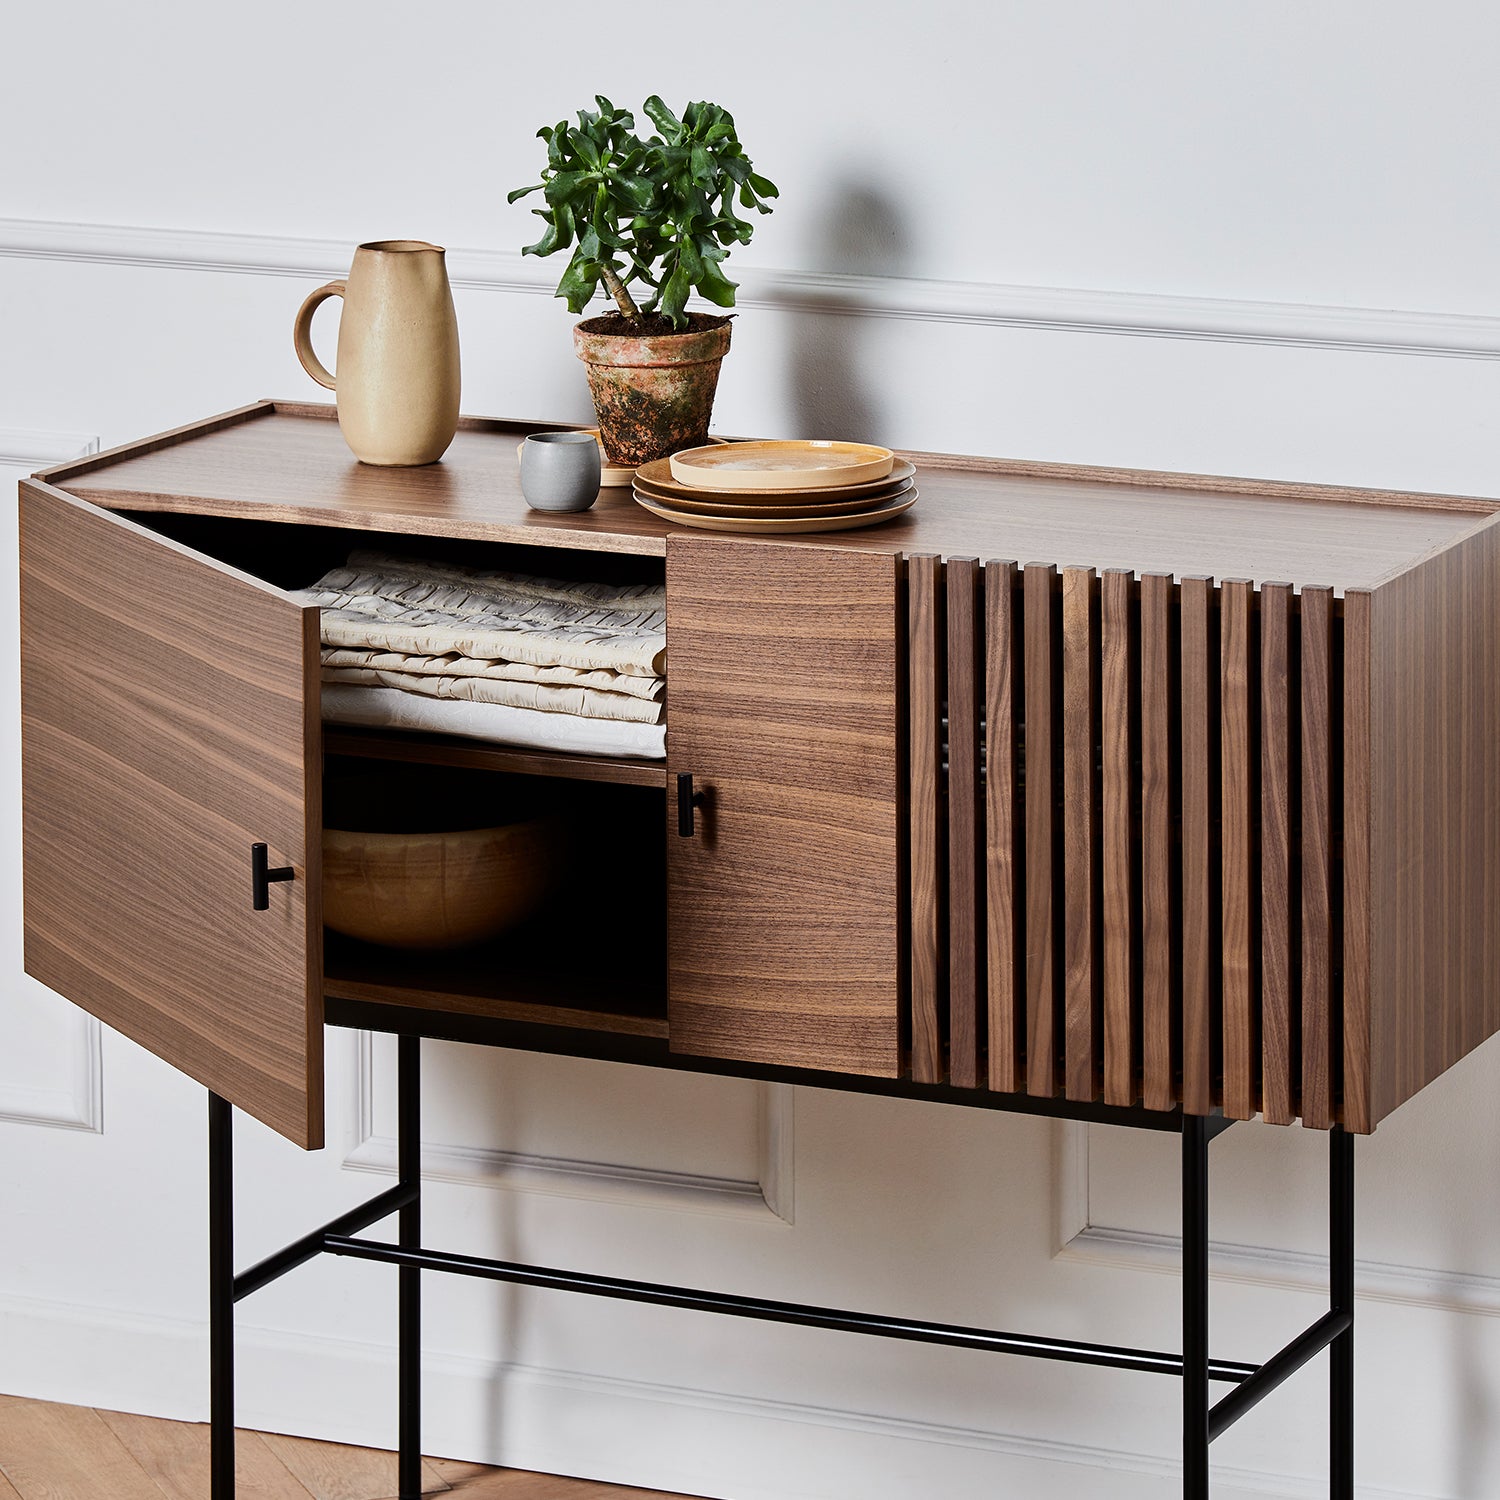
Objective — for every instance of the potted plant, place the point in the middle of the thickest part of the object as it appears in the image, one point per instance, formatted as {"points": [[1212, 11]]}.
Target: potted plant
{"points": [[656, 213]]}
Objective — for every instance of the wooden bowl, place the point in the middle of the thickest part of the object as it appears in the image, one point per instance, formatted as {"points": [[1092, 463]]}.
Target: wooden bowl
{"points": [[405, 887]]}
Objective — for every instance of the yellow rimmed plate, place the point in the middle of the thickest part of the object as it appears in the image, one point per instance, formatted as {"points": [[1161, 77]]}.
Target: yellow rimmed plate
{"points": [[778, 525], [782, 464], [769, 508], [660, 478]]}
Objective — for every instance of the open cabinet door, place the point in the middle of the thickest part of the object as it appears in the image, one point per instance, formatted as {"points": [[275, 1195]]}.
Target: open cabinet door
{"points": [[170, 721], [783, 905]]}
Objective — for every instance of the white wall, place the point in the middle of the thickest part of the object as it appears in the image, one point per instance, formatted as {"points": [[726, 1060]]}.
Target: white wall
{"points": [[1246, 239]]}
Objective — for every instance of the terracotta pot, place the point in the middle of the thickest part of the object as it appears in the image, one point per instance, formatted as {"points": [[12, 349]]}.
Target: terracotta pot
{"points": [[653, 393]]}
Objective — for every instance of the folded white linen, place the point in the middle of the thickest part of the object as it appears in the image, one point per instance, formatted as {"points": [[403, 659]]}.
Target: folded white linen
{"points": [[432, 609], [539, 696], [506, 671], [390, 708]]}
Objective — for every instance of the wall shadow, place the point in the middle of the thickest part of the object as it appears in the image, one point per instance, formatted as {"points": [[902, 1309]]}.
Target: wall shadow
{"points": [[836, 388]]}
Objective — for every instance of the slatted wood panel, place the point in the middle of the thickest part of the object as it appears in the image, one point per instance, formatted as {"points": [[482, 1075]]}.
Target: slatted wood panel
{"points": [[1004, 831], [1281, 979], [1161, 995], [1043, 1000], [1147, 852], [1238, 892], [967, 927], [1318, 999], [1119, 846], [926, 809], [1082, 977]]}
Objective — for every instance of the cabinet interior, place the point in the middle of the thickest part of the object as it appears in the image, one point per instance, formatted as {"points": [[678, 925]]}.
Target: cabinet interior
{"points": [[595, 957]]}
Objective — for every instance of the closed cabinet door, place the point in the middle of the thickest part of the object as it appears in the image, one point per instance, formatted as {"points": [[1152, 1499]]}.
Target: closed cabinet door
{"points": [[783, 899], [169, 725]]}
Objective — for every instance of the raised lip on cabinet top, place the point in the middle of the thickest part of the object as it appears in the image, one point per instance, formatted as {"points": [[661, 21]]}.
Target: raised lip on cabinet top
{"points": [[286, 461]]}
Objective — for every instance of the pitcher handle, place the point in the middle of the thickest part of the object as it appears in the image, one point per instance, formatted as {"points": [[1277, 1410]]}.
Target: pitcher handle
{"points": [[302, 333]]}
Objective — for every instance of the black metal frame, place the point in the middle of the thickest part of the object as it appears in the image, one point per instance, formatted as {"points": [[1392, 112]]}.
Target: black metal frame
{"points": [[1202, 1421]]}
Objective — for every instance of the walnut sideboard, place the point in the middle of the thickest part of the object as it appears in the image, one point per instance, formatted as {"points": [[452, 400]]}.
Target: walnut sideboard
{"points": [[1150, 799]]}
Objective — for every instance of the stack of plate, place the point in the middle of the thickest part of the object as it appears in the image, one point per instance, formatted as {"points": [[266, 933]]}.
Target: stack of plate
{"points": [[778, 486]]}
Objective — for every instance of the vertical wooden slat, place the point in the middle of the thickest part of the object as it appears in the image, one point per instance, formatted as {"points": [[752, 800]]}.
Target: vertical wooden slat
{"points": [[1041, 967], [1317, 859], [965, 823], [1081, 991], [1001, 827], [1358, 1109], [1121, 1017], [1281, 1054], [925, 702], [1199, 915], [1159, 1006], [1239, 902]]}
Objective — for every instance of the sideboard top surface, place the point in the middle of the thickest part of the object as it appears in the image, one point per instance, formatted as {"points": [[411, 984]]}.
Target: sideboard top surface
{"points": [[288, 461]]}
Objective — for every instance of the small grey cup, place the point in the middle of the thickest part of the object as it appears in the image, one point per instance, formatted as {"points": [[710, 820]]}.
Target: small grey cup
{"points": [[561, 470]]}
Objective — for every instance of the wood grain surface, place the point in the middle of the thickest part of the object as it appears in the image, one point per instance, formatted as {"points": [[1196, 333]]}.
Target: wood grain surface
{"points": [[1280, 759], [967, 922], [152, 760], [1161, 1000], [1082, 990], [54, 1452], [1319, 1021], [1435, 817], [783, 909], [1004, 829], [1200, 914], [290, 463], [925, 809], [1358, 980], [1118, 737], [1238, 840], [1043, 659]]}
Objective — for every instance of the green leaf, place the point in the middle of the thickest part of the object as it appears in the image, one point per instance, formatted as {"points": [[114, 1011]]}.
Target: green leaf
{"points": [[566, 186], [715, 286], [702, 166], [674, 297], [763, 186], [662, 117], [516, 194], [584, 147], [579, 283], [550, 241]]}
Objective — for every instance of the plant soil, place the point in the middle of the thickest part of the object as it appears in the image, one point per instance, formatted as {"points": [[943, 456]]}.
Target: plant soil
{"points": [[654, 326]]}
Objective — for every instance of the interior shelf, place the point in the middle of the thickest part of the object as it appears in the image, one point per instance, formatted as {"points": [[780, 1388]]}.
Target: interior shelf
{"points": [[440, 750], [545, 976]]}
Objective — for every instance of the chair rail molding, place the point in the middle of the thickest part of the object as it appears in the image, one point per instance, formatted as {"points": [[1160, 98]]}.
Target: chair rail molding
{"points": [[1083, 1242], [769, 1195], [1061, 309]]}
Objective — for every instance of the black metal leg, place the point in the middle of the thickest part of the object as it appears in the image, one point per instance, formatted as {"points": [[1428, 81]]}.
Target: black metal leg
{"points": [[221, 1296], [409, 1235], [1341, 1281], [1195, 1391]]}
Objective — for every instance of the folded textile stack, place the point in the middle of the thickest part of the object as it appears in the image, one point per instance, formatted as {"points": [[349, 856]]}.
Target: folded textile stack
{"points": [[494, 656]]}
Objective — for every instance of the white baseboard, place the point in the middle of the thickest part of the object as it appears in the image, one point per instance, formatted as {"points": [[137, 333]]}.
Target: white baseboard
{"points": [[593, 1426], [1064, 309]]}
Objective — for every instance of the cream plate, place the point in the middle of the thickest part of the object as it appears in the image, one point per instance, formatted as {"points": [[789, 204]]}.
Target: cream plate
{"points": [[787, 508], [659, 476], [783, 525], [780, 465]]}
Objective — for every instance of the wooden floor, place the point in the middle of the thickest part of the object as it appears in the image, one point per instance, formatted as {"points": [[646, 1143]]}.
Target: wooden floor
{"points": [[50, 1452]]}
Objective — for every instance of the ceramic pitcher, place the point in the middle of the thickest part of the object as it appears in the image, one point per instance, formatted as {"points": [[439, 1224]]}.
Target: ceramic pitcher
{"points": [[397, 372]]}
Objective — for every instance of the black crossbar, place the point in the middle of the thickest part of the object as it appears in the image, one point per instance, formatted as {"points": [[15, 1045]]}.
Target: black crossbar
{"points": [[1069, 1350], [1279, 1368], [263, 1273]]}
